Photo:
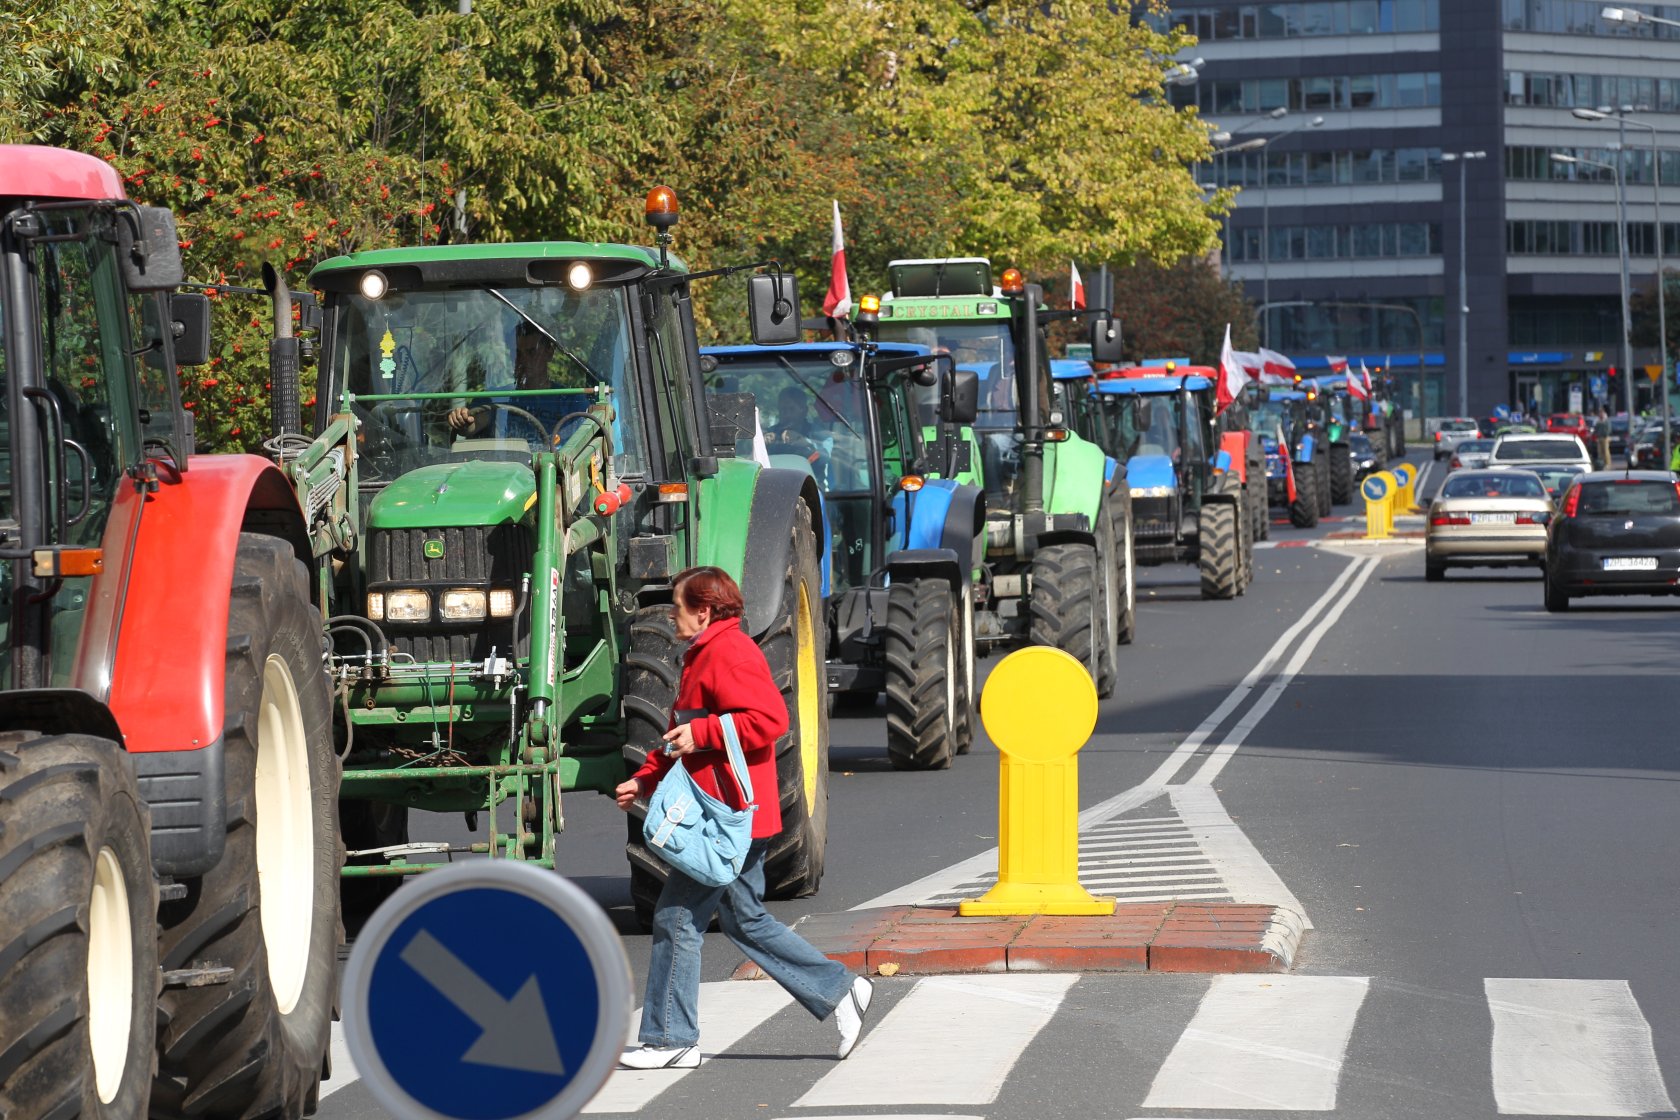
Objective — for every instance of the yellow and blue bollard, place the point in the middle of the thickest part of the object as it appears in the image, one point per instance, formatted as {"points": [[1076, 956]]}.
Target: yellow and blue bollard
{"points": [[1039, 706], [1406, 500], [1379, 491]]}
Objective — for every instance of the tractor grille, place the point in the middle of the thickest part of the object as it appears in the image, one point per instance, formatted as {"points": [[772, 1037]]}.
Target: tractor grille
{"points": [[1152, 520], [473, 556]]}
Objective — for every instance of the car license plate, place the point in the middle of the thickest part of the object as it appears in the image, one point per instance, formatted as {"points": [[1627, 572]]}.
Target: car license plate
{"points": [[1630, 564], [1493, 519]]}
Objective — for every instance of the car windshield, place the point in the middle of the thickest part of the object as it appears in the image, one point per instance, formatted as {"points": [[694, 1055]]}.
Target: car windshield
{"points": [[1557, 478], [1458, 425], [1628, 497], [1528, 450], [1493, 484], [480, 373], [807, 406]]}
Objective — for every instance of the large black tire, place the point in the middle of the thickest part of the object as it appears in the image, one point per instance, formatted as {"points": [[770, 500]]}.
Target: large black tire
{"points": [[1557, 598], [1245, 545], [76, 890], [1125, 559], [920, 646], [1063, 611], [1322, 478], [1219, 560], [965, 726], [1433, 570], [256, 1046], [794, 646], [651, 669], [1341, 474], [364, 825], [1254, 501], [1303, 511], [1108, 604]]}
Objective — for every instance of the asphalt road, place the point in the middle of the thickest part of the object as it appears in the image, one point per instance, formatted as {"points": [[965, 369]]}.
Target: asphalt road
{"points": [[1472, 801]]}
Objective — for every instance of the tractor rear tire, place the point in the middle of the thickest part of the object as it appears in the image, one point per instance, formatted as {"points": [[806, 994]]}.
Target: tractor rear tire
{"points": [[256, 1045], [1325, 506], [794, 646], [1341, 475], [79, 978], [920, 647], [1303, 511], [968, 700], [651, 669], [1245, 545], [1219, 560], [1063, 611], [1254, 500]]}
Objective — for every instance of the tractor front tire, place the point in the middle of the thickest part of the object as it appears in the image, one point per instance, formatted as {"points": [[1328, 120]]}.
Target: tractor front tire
{"points": [[923, 690], [1341, 475], [1063, 611], [256, 1045], [1219, 561], [1125, 558], [1108, 606], [1325, 506], [79, 979], [1303, 511], [968, 701]]}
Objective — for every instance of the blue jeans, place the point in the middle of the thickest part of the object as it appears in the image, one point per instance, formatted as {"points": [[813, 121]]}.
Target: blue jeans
{"points": [[671, 1009]]}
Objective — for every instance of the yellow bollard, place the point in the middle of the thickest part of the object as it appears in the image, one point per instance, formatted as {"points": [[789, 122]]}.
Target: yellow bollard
{"points": [[1406, 499], [1039, 706], [1379, 490]]}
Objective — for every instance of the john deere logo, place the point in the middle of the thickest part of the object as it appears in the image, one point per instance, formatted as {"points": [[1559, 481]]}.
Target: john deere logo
{"points": [[433, 550]]}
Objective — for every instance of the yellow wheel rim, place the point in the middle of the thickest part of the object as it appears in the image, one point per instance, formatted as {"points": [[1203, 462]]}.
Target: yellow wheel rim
{"points": [[809, 715]]}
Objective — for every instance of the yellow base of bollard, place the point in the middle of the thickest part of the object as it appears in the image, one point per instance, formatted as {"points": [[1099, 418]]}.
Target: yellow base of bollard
{"points": [[1037, 898]]}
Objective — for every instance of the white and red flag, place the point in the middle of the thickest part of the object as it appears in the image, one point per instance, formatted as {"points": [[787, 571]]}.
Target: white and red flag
{"points": [[1233, 378], [1338, 363], [1275, 368], [1076, 289], [1359, 388], [838, 303]]}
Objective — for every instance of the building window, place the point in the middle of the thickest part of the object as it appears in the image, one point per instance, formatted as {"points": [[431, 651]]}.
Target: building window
{"points": [[1336, 92], [1547, 238], [1311, 19], [1340, 242], [1293, 169]]}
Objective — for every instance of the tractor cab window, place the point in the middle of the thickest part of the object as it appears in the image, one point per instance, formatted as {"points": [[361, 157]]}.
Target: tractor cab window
{"points": [[1149, 426], [480, 373], [812, 411], [1195, 432]]}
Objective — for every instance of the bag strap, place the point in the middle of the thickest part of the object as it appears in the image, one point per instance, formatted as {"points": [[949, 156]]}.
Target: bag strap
{"points": [[737, 759]]}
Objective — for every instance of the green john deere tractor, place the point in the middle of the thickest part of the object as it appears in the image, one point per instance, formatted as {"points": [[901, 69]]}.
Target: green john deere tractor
{"points": [[1058, 559], [512, 464]]}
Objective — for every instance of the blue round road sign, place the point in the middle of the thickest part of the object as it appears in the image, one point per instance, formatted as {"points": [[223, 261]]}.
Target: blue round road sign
{"points": [[1404, 473], [1375, 488], [490, 990]]}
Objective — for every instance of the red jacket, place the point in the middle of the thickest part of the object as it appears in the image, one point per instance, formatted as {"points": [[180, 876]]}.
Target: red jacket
{"points": [[724, 672]]}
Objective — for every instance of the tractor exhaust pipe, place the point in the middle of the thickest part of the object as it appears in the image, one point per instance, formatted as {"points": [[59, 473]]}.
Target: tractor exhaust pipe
{"points": [[1030, 377], [282, 357]]}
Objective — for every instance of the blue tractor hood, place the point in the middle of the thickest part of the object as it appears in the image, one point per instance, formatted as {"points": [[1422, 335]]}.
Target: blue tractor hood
{"points": [[1145, 472]]}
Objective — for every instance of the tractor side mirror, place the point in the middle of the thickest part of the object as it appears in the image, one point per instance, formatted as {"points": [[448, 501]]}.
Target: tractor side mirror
{"points": [[189, 324], [773, 307], [149, 250], [1105, 340], [962, 404]]}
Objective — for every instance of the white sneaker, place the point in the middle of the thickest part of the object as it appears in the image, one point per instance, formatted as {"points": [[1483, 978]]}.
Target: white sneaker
{"points": [[851, 1011], [660, 1057]]}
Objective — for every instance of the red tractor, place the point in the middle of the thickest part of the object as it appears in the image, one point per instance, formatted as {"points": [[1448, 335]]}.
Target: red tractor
{"points": [[169, 849]]}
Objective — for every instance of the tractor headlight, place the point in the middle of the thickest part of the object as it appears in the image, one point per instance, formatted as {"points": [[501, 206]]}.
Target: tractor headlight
{"points": [[408, 606], [1152, 492], [463, 605], [501, 603], [376, 605]]}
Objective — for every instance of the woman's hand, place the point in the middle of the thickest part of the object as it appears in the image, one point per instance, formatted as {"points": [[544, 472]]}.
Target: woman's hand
{"points": [[680, 740], [626, 793]]}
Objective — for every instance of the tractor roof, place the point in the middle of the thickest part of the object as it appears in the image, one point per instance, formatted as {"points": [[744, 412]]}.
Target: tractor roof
{"points": [[36, 171], [508, 263], [940, 276], [1153, 386], [1070, 369]]}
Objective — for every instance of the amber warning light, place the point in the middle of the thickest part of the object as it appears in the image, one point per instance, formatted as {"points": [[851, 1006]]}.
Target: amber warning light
{"points": [[1013, 283], [662, 208], [870, 305]]}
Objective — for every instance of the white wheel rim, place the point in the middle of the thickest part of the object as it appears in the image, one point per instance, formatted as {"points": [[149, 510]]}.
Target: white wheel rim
{"points": [[285, 834], [110, 975]]}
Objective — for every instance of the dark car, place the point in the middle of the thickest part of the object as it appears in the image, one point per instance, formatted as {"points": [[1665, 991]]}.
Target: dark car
{"points": [[1616, 533], [1364, 456]]}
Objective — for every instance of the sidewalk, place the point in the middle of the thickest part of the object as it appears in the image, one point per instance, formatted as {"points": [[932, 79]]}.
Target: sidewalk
{"points": [[1151, 936]]}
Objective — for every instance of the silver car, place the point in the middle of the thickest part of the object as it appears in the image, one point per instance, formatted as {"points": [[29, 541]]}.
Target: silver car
{"points": [[1471, 454], [1492, 518], [1450, 431], [1538, 449]]}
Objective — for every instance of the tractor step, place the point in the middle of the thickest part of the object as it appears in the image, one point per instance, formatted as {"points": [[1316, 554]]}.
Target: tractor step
{"points": [[201, 977]]}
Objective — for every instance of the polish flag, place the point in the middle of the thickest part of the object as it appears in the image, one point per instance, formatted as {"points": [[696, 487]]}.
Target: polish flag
{"points": [[1338, 364], [1367, 374], [1359, 389], [838, 303], [1232, 377], [1076, 289], [1276, 364]]}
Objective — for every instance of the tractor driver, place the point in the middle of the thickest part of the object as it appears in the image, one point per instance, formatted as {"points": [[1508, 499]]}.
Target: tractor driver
{"points": [[533, 353]]}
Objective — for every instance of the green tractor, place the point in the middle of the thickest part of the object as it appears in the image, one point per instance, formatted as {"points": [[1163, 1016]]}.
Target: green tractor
{"points": [[1057, 568], [512, 465]]}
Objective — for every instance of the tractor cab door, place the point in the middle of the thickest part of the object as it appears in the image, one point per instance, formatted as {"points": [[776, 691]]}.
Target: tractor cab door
{"points": [[70, 433], [1195, 459]]}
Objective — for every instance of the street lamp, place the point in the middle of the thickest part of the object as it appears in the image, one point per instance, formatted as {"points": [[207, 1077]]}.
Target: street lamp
{"points": [[1622, 250], [1623, 120], [1266, 222], [1464, 159]]}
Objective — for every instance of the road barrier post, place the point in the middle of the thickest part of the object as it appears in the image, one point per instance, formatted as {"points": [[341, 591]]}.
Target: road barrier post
{"points": [[1039, 706], [1379, 491], [1406, 499]]}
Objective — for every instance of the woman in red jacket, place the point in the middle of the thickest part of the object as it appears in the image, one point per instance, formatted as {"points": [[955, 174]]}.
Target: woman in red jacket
{"points": [[724, 672]]}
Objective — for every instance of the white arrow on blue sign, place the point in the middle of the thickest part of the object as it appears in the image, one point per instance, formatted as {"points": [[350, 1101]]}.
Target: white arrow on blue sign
{"points": [[490, 990]]}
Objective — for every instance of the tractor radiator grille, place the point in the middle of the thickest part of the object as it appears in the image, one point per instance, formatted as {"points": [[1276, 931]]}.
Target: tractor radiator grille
{"points": [[472, 556], [1152, 519]]}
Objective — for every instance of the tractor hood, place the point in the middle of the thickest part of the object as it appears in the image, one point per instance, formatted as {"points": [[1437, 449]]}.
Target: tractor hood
{"points": [[470, 492], [1151, 472]]}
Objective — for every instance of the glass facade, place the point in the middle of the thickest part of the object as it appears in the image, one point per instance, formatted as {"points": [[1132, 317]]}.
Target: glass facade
{"points": [[1576, 17], [1351, 241], [1591, 91], [1360, 328], [1537, 165], [1305, 20], [1313, 169], [1535, 237], [1314, 95]]}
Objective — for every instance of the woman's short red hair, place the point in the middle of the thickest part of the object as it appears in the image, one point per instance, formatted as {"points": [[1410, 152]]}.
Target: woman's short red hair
{"points": [[709, 587]]}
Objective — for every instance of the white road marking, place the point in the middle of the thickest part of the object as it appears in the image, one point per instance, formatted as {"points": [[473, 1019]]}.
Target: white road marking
{"points": [[1263, 1042], [952, 1041], [729, 1011], [1242, 868], [1573, 1048]]}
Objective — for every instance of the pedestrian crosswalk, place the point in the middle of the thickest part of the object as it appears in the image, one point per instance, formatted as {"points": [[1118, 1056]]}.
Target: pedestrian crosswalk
{"points": [[1240, 1045]]}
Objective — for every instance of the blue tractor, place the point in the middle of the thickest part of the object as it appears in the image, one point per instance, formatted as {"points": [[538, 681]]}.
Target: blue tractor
{"points": [[903, 545], [1289, 427]]}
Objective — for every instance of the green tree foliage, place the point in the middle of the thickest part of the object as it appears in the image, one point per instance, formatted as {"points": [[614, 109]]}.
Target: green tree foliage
{"points": [[288, 131], [1181, 310]]}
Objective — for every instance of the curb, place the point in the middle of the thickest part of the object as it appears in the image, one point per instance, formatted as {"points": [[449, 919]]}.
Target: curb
{"points": [[1220, 937]]}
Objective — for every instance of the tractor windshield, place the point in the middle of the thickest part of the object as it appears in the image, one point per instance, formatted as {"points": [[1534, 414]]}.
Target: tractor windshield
{"points": [[987, 348], [809, 409], [1149, 426], [1269, 420], [482, 373]]}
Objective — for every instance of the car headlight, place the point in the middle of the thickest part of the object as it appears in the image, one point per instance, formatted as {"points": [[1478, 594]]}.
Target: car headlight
{"points": [[1152, 492], [464, 605], [408, 606]]}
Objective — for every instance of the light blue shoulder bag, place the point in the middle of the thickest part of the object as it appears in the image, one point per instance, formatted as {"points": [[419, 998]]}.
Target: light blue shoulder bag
{"points": [[693, 831]]}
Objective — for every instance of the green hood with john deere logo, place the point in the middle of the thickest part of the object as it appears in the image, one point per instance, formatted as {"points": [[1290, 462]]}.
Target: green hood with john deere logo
{"points": [[470, 492]]}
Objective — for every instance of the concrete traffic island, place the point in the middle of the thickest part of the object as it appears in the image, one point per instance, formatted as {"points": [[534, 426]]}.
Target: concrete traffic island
{"points": [[1213, 937]]}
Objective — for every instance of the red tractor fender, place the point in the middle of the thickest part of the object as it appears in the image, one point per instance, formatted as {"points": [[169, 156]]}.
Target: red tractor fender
{"points": [[1235, 444], [167, 677]]}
